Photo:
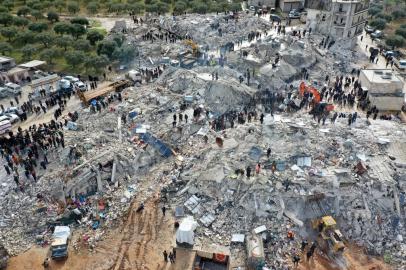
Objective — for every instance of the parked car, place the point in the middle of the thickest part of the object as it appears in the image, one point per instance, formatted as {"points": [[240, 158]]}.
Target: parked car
{"points": [[71, 79], [274, 18], [252, 8], [392, 54], [294, 14], [369, 29], [377, 34], [65, 86], [13, 118], [400, 64], [80, 85], [13, 88]]}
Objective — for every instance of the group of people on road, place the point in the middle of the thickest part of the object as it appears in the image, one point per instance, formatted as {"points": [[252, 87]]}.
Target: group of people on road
{"points": [[28, 149], [171, 256]]}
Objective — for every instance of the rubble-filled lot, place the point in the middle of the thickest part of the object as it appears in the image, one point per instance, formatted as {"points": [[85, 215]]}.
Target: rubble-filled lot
{"points": [[136, 149]]}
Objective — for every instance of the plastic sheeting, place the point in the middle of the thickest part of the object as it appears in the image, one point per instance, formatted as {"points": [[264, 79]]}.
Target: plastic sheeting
{"points": [[185, 232]]}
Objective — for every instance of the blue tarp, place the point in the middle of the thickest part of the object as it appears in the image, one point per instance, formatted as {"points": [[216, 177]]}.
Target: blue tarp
{"points": [[157, 144]]}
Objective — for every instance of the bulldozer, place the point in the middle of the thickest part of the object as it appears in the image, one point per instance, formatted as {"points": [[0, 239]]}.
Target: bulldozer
{"points": [[194, 46], [332, 237]]}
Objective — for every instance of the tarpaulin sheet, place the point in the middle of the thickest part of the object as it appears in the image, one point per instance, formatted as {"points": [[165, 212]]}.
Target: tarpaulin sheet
{"points": [[157, 144]]}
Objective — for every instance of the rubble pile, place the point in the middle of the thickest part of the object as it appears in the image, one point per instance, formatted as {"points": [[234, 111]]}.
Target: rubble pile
{"points": [[172, 138], [212, 30]]}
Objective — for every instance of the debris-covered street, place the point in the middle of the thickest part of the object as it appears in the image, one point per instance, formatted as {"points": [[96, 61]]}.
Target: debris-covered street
{"points": [[232, 141]]}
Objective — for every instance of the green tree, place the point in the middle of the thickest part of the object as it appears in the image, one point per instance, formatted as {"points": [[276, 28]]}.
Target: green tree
{"points": [[38, 26], [3, 9], [119, 38], [9, 4], [235, 7], [82, 45], [24, 37], [96, 63], [77, 30], [9, 32], [401, 32], [28, 52], [403, 25], [378, 23], [20, 21], [92, 7], [64, 42], [60, 5], [6, 19], [73, 7], [62, 28], [5, 47], [106, 47], [23, 11], [124, 54], [93, 36], [373, 10], [137, 8], [199, 7], [79, 20], [37, 14], [180, 7], [52, 16], [395, 41], [75, 58], [386, 17], [46, 38], [399, 14], [49, 55]]}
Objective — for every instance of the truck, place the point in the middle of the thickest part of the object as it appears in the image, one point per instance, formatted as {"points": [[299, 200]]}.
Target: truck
{"points": [[134, 75], [13, 88], [59, 245]]}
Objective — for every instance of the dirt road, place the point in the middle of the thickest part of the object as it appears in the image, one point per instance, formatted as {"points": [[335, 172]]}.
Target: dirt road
{"points": [[137, 245]]}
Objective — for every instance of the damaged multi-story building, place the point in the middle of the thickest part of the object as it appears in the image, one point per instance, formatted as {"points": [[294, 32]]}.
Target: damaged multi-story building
{"points": [[343, 21]]}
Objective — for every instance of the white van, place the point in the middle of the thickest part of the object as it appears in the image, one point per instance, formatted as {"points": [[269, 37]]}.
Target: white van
{"points": [[5, 126], [13, 88]]}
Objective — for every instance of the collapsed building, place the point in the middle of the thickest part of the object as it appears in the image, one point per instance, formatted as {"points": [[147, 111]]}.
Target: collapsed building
{"points": [[355, 174]]}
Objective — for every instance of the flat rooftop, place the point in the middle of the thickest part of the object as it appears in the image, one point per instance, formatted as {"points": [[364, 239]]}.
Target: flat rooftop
{"points": [[381, 76], [5, 59]]}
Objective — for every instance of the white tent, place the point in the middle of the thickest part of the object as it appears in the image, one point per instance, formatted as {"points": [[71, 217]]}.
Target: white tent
{"points": [[185, 232]]}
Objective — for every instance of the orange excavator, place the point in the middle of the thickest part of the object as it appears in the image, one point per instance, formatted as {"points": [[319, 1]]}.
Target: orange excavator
{"points": [[303, 88]]}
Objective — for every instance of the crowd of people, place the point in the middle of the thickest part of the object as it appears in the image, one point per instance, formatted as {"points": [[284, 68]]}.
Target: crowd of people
{"points": [[27, 150]]}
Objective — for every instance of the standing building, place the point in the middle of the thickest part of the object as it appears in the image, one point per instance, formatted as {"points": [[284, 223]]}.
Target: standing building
{"points": [[385, 89], [262, 3], [342, 20], [6, 63], [347, 19], [288, 5]]}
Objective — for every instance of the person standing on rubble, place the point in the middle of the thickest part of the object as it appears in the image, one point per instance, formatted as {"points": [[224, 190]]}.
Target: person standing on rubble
{"points": [[258, 168], [261, 119], [303, 245], [296, 260], [248, 172], [163, 210], [268, 152], [186, 118], [165, 256], [7, 169]]}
